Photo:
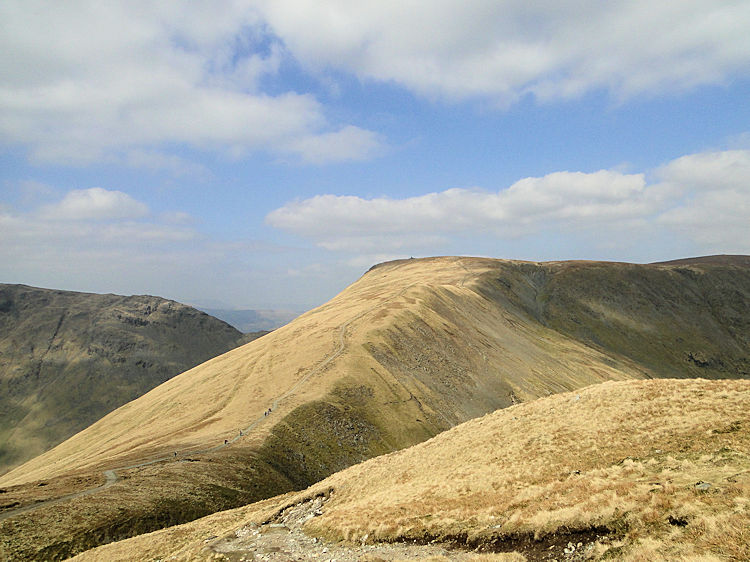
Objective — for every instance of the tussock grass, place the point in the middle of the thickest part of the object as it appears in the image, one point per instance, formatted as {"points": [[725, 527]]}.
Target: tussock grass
{"points": [[616, 463], [504, 557], [620, 456]]}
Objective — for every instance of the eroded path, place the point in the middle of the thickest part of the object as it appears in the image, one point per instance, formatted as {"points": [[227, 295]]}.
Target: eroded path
{"points": [[110, 477], [282, 540]]}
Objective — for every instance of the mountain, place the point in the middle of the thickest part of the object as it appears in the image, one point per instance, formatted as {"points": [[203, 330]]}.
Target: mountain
{"points": [[67, 359], [411, 349], [633, 470]]}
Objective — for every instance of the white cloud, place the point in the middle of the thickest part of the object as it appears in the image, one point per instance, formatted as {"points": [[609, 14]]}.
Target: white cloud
{"points": [[85, 81], [89, 235], [503, 49], [350, 143], [88, 219], [88, 81], [715, 198], [703, 197], [562, 199], [709, 171], [95, 203]]}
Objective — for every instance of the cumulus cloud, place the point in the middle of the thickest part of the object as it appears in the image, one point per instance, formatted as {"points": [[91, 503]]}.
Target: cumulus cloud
{"points": [[97, 248], [86, 219], [95, 203], [704, 197], [349, 143], [709, 171], [561, 199], [85, 81], [714, 208], [504, 49], [90, 235]]}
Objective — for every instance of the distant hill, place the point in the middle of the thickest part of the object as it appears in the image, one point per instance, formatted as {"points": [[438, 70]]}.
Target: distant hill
{"points": [[722, 259], [67, 359], [411, 349], [252, 320], [635, 470]]}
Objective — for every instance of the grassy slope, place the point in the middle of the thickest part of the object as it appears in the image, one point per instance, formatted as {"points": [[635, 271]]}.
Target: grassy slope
{"points": [[67, 359], [427, 344], [415, 329], [622, 459], [676, 321]]}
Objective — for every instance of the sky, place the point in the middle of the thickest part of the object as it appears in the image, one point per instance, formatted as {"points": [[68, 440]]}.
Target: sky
{"points": [[266, 153]]}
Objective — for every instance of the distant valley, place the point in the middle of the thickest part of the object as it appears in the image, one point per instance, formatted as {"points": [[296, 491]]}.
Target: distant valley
{"points": [[248, 321]]}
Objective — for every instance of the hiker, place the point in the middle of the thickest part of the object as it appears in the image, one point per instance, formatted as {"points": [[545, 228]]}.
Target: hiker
{"points": [[226, 442]]}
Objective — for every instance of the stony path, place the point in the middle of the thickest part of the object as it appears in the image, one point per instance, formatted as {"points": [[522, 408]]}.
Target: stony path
{"points": [[282, 540]]}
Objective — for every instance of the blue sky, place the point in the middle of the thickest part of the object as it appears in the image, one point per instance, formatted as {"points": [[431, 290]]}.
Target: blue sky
{"points": [[264, 154]]}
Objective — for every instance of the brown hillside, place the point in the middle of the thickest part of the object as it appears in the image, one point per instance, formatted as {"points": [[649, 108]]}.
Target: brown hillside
{"points": [[636, 470], [411, 349], [67, 359]]}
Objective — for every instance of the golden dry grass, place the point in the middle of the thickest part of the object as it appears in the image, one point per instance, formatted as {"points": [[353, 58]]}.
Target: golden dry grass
{"points": [[623, 458]]}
